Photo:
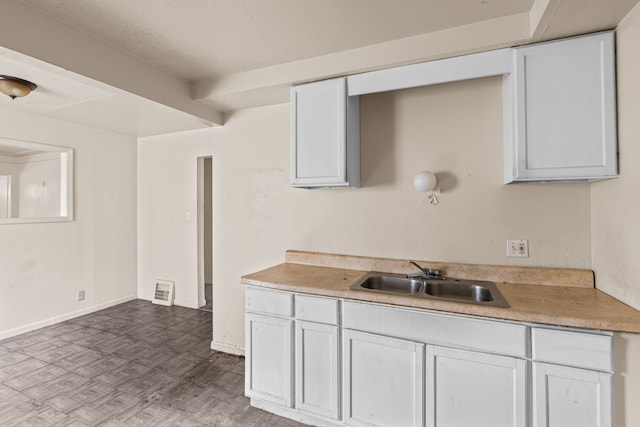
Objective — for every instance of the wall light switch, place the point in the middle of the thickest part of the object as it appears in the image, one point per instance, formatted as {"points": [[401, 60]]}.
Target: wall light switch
{"points": [[518, 248]]}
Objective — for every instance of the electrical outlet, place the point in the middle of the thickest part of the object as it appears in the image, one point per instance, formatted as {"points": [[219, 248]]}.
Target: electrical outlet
{"points": [[80, 295], [518, 248]]}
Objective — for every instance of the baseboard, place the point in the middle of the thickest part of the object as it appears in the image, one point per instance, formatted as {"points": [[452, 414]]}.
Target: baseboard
{"points": [[61, 318], [186, 303], [227, 348], [145, 296], [179, 302], [294, 414]]}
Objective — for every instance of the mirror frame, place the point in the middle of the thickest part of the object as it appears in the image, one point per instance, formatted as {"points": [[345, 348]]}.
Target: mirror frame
{"points": [[66, 188]]}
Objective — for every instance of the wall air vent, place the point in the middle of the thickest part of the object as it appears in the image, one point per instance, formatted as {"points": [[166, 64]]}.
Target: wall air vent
{"points": [[164, 292]]}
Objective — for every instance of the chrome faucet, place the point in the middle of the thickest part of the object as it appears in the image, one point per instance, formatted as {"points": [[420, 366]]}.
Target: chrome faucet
{"points": [[425, 273]]}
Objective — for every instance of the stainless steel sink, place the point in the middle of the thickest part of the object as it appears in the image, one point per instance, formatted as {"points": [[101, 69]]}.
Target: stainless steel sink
{"points": [[467, 291], [397, 284], [473, 291]]}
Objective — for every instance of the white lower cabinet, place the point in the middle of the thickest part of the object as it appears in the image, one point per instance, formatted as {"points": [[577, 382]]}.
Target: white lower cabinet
{"points": [[383, 380], [269, 362], [317, 369], [572, 378], [570, 397], [466, 388], [333, 362]]}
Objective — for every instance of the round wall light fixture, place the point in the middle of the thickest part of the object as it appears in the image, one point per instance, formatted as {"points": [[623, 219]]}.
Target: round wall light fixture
{"points": [[426, 182]]}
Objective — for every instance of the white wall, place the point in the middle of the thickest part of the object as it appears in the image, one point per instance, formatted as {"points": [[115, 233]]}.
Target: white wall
{"points": [[43, 265], [167, 188]]}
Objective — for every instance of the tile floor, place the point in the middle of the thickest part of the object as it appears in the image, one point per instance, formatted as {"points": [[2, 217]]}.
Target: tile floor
{"points": [[135, 364]]}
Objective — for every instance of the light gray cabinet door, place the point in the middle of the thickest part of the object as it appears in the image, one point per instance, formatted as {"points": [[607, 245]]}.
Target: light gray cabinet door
{"points": [[570, 397], [317, 369], [325, 135], [383, 380], [564, 97], [269, 359], [475, 389]]}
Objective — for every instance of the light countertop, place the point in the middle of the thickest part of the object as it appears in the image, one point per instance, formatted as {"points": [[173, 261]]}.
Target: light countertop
{"points": [[576, 305]]}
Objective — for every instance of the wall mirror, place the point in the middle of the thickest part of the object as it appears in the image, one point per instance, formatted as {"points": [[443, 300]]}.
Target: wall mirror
{"points": [[36, 182]]}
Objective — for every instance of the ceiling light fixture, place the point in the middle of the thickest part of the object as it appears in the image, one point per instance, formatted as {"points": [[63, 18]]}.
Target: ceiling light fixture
{"points": [[14, 87]]}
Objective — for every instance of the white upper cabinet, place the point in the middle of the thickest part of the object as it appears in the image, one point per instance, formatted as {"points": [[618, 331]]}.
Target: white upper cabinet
{"points": [[325, 135], [560, 111]]}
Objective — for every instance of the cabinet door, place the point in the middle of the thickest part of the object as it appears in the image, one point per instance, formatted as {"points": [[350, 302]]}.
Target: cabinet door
{"points": [[323, 119], [475, 389], [317, 370], [565, 111], [570, 397], [383, 380], [269, 359]]}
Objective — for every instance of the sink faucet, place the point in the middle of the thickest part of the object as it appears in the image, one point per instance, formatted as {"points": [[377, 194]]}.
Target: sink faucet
{"points": [[425, 273]]}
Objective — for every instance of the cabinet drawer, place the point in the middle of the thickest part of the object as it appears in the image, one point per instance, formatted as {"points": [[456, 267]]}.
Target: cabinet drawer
{"points": [[267, 301], [446, 330], [579, 349], [317, 309]]}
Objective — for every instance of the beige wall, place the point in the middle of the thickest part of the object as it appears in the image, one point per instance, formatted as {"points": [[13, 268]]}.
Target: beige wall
{"points": [[615, 224], [42, 266], [453, 129]]}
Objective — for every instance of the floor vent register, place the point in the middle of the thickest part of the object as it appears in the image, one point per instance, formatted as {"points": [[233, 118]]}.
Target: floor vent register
{"points": [[164, 292]]}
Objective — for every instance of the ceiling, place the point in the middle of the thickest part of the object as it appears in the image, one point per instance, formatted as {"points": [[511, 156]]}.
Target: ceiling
{"points": [[200, 39], [202, 59]]}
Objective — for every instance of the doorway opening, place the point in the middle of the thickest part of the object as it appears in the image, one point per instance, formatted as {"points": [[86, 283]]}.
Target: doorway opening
{"points": [[205, 233]]}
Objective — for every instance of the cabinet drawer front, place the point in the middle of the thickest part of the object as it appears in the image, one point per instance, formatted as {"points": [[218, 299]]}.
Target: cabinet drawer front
{"points": [[267, 301], [445, 330], [316, 309], [579, 349]]}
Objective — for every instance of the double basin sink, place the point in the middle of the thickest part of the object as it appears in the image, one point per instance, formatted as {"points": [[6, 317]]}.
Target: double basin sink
{"points": [[467, 291]]}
